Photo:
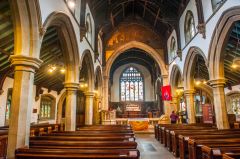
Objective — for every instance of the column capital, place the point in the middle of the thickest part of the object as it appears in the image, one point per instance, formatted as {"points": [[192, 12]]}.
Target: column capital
{"points": [[71, 86], [217, 82], [164, 76], [189, 92], [89, 94], [25, 63], [105, 77]]}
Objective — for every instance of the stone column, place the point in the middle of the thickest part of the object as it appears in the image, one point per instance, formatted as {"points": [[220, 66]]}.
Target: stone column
{"points": [[174, 103], [167, 107], [71, 106], [219, 103], [189, 94], [21, 109], [96, 113], [89, 108], [105, 93]]}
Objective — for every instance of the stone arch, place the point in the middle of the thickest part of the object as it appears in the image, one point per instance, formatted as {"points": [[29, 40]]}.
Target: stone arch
{"points": [[174, 77], [60, 107], [26, 27], [139, 45], [99, 79], [70, 48], [87, 57], [193, 52], [219, 40]]}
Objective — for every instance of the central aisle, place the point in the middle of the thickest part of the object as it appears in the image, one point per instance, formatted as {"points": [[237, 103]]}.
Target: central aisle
{"points": [[150, 148]]}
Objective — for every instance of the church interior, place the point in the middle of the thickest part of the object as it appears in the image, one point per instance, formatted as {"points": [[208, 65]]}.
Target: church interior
{"points": [[126, 79]]}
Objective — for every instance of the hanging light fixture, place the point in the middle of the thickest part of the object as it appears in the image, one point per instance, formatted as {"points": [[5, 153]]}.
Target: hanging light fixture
{"points": [[53, 67]]}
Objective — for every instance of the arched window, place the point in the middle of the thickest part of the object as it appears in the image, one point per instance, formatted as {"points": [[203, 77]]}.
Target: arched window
{"points": [[189, 26], [89, 29], [47, 107], [131, 85], [173, 49], [217, 3], [233, 103]]}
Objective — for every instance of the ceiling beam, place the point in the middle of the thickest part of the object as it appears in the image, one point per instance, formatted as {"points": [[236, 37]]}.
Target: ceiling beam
{"points": [[112, 20], [155, 22], [123, 8], [144, 10]]}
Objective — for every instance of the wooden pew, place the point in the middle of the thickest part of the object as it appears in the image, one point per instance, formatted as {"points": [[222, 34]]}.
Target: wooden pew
{"points": [[84, 138], [231, 156], [77, 153], [180, 139], [194, 146], [211, 152], [83, 144], [3, 146]]}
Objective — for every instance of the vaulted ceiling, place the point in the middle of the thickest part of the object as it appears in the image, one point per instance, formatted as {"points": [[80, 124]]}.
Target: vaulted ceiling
{"points": [[51, 54], [6, 36], [162, 15], [231, 51], [136, 56]]}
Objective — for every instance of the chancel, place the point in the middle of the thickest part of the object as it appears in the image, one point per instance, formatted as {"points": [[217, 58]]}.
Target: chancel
{"points": [[124, 79]]}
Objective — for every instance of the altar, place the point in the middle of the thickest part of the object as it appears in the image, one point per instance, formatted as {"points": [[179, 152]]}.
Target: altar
{"points": [[132, 111]]}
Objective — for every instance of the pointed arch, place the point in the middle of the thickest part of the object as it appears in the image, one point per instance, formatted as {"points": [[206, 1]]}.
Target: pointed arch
{"points": [[69, 40], [175, 76], [88, 60], [188, 71], [219, 40]]}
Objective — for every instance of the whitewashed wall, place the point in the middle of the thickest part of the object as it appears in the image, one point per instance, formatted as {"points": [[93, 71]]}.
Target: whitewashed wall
{"points": [[211, 19], [148, 87], [8, 83]]}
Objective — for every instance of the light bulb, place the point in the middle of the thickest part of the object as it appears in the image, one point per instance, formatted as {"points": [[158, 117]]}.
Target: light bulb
{"points": [[81, 85], [234, 66], [71, 4], [50, 70], [62, 70], [204, 82], [197, 82], [85, 85], [53, 68]]}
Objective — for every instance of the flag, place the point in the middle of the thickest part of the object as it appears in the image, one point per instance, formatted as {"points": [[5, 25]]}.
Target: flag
{"points": [[166, 93]]}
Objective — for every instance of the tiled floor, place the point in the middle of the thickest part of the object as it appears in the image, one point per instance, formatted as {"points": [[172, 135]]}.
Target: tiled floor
{"points": [[150, 148]]}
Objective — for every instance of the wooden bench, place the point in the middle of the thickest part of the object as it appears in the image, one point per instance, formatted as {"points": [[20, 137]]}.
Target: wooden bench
{"points": [[83, 144], [231, 156], [194, 146], [180, 139], [77, 153], [211, 152], [84, 138]]}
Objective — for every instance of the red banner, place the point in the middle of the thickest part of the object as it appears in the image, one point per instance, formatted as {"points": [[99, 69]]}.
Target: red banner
{"points": [[166, 93]]}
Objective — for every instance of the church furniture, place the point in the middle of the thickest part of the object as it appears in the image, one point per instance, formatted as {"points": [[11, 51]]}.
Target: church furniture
{"points": [[27, 153], [194, 146], [231, 156], [3, 147], [211, 152]]}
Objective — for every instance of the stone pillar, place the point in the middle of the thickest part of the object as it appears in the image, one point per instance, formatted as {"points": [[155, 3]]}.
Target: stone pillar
{"points": [[166, 104], [219, 103], [21, 109], [71, 106], [174, 103], [189, 95], [89, 108], [96, 113], [105, 92]]}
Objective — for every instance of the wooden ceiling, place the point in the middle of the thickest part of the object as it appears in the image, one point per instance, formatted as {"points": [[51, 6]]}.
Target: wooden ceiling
{"points": [[51, 54], [160, 14], [6, 36], [201, 70], [136, 56], [231, 51]]}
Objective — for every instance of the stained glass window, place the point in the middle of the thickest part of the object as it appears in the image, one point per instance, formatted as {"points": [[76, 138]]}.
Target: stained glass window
{"points": [[131, 85], [46, 107]]}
